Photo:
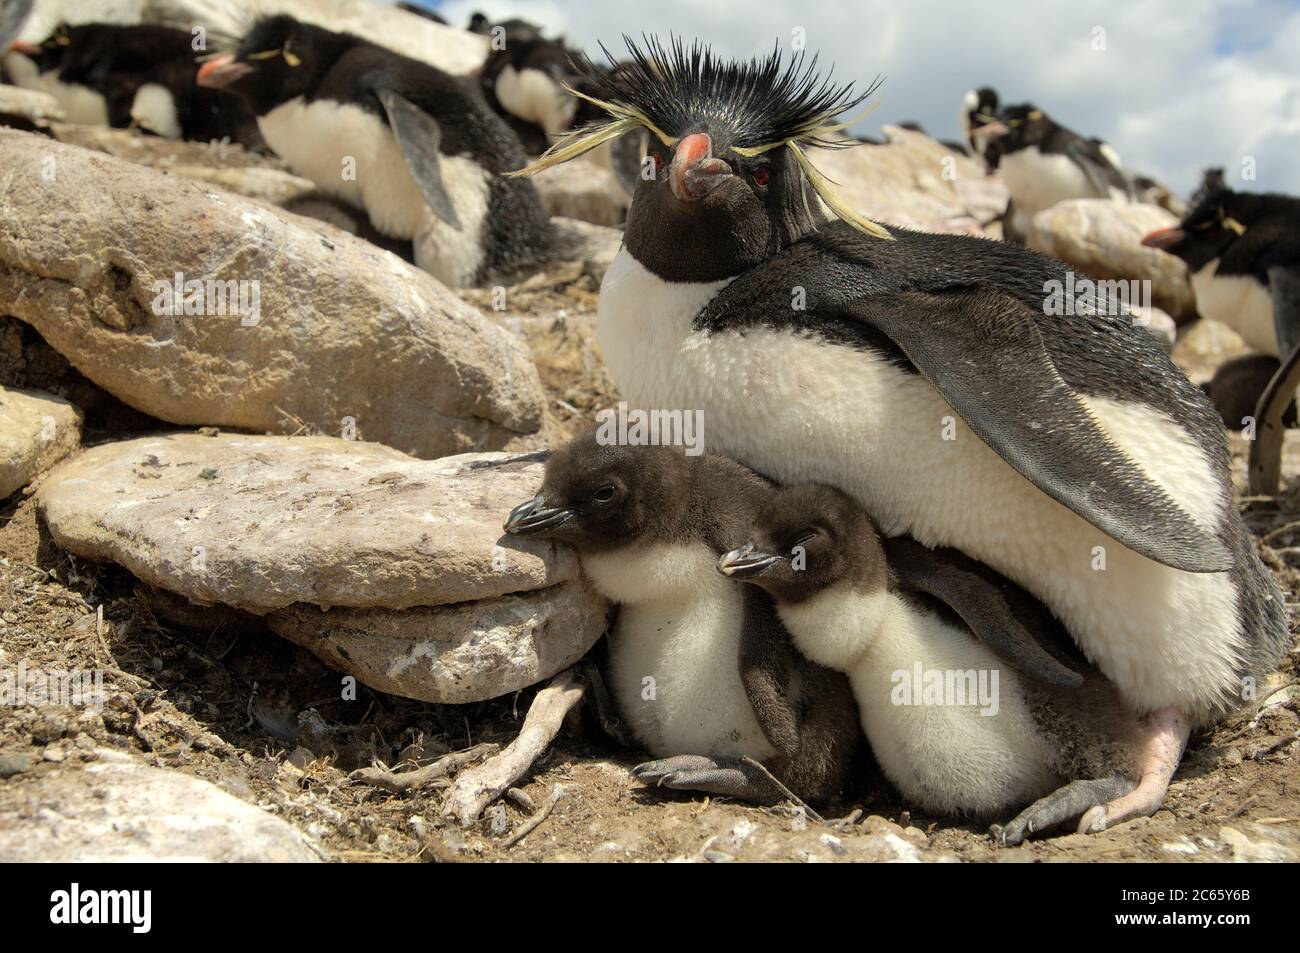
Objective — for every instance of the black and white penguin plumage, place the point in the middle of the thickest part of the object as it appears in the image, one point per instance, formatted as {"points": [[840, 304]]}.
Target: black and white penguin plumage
{"points": [[957, 730], [702, 672], [922, 375], [1243, 252], [524, 82], [424, 12], [979, 112], [137, 74], [1042, 162], [414, 147]]}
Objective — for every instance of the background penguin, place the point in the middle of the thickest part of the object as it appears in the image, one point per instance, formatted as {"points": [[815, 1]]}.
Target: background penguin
{"points": [[123, 75], [922, 376], [979, 110], [524, 82], [1042, 163], [1243, 251], [413, 146], [1065, 752], [649, 524]]}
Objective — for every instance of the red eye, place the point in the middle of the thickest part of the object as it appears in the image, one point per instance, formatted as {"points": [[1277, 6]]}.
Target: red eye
{"points": [[761, 175]]}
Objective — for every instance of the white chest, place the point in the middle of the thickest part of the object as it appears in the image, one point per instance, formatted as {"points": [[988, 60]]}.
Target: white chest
{"points": [[1037, 181], [154, 108], [674, 656], [534, 97], [351, 153], [800, 410], [1240, 302]]}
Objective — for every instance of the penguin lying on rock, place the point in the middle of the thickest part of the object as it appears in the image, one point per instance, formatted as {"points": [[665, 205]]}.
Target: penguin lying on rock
{"points": [[919, 373], [413, 146], [124, 75], [524, 82], [979, 114], [1243, 251], [690, 648], [978, 739], [1042, 162]]}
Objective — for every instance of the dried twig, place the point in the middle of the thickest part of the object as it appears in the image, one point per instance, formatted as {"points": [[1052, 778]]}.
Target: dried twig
{"points": [[530, 825], [785, 791], [476, 788], [400, 782]]}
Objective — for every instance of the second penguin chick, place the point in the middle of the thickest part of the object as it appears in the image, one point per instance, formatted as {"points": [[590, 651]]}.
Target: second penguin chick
{"points": [[703, 672], [1004, 742]]}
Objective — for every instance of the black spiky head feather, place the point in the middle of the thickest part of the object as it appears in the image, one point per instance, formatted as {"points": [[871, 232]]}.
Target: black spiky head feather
{"points": [[754, 105]]}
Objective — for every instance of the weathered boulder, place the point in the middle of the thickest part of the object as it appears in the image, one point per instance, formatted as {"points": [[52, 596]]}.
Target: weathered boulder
{"points": [[593, 245], [296, 330], [116, 809], [584, 190], [36, 431], [913, 181], [29, 103], [261, 523], [458, 653], [391, 569], [1103, 239]]}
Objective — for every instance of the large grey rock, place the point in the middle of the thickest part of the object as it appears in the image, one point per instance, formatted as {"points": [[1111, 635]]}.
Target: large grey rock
{"points": [[345, 335], [583, 189], [913, 181], [117, 810], [30, 103], [458, 653], [1103, 239], [36, 431], [261, 523], [391, 569]]}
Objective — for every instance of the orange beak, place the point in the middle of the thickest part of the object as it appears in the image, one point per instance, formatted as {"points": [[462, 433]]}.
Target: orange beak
{"points": [[1164, 238], [221, 71], [694, 172], [27, 49]]}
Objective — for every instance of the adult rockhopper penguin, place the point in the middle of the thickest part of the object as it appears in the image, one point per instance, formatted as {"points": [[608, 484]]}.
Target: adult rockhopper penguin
{"points": [[415, 147], [1243, 250], [919, 373]]}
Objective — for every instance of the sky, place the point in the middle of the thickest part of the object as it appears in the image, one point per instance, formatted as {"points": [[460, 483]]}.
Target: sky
{"points": [[1174, 85]]}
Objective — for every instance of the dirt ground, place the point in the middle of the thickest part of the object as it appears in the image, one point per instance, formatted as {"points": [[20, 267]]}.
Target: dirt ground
{"points": [[231, 703]]}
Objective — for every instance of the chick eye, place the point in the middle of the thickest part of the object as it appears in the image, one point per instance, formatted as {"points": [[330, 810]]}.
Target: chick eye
{"points": [[604, 494], [761, 175]]}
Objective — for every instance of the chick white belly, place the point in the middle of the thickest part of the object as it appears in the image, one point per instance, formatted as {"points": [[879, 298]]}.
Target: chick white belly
{"points": [[948, 757], [1036, 181], [674, 661], [81, 105], [1240, 302], [328, 142], [803, 411]]}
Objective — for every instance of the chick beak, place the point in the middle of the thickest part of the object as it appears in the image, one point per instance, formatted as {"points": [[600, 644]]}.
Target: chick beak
{"points": [[694, 172], [221, 71], [745, 562], [534, 517], [1164, 238]]}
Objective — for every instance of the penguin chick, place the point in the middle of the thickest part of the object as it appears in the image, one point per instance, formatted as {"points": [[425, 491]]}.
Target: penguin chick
{"points": [[415, 147], [704, 673], [979, 739]]}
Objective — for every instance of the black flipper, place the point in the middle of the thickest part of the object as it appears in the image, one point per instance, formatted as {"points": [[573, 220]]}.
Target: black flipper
{"points": [[1000, 614], [983, 351], [767, 661], [418, 135], [1265, 467], [1099, 171]]}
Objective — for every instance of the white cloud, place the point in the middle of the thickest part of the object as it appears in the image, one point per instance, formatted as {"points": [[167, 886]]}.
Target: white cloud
{"points": [[1180, 84]]}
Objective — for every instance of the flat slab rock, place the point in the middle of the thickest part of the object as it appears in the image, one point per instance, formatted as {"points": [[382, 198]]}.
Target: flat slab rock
{"points": [[391, 569], [36, 431], [116, 809], [333, 334]]}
